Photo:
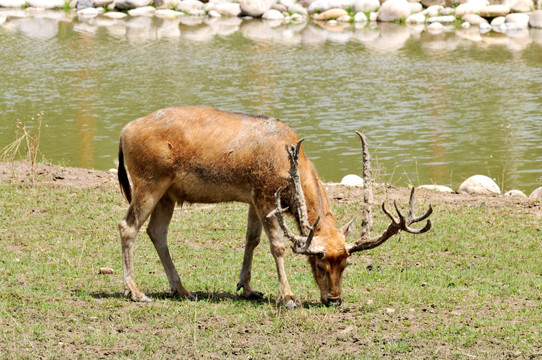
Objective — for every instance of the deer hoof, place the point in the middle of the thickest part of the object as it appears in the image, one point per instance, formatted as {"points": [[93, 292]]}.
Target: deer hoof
{"points": [[191, 297], [290, 305], [143, 298]]}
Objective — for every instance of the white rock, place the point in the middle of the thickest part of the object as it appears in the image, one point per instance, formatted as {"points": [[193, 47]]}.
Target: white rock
{"points": [[365, 5], [273, 14], [393, 10], [101, 3], [352, 180], [190, 6], [229, 9], [433, 10], [373, 16], [3, 19], [330, 14], [498, 21], [88, 12], [323, 5], [214, 14], [12, 3], [142, 11], [167, 13], [470, 7], [418, 18], [520, 19], [415, 6], [465, 25], [474, 19], [437, 188], [494, 11], [536, 194], [535, 20], [298, 9], [360, 17], [115, 14], [515, 193], [255, 8], [522, 5], [441, 19], [46, 4], [479, 185]]}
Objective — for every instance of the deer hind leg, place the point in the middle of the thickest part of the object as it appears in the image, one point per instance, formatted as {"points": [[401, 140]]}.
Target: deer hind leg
{"points": [[157, 231], [254, 230], [129, 226]]}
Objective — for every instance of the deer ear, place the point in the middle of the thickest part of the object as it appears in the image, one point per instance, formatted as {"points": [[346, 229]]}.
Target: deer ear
{"points": [[348, 228]]}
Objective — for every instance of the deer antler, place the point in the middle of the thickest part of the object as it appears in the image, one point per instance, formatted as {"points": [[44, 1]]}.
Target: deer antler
{"points": [[300, 244], [365, 241]]}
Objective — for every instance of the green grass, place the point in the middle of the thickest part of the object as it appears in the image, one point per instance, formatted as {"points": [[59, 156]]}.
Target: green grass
{"points": [[471, 287]]}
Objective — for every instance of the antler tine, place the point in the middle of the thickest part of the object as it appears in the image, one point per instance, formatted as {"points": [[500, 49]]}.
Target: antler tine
{"points": [[366, 242], [367, 217], [301, 208], [300, 244]]}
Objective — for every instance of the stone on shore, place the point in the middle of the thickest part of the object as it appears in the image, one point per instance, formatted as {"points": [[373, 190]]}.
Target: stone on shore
{"points": [[101, 3], [273, 14], [46, 4], [88, 12], [393, 10], [226, 8], [474, 19], [520, 20], [131, 4], [437, 188], [330, 14], [535, 20], [12, 3], [142, 11], [441, 19], [418, 18], [167, 13], [536, 194], [522, 6], [479, 185], [515, 193], [470, 7], [352, 180], [323, 5], [255, 8], [115, 15], [492, 11], [365, 5]]}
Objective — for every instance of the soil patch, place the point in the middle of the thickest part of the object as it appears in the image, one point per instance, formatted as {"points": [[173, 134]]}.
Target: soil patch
{"points": [[20, 173]]}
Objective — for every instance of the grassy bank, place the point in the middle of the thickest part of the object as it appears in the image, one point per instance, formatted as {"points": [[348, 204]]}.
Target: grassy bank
{"points": [[470, 288]]}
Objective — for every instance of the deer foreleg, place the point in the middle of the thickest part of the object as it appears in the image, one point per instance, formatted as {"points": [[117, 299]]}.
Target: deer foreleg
{"points": [[277, 250]]}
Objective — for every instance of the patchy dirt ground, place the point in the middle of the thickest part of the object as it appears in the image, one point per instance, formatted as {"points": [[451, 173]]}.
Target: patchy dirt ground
{"points": [[20, 172]]}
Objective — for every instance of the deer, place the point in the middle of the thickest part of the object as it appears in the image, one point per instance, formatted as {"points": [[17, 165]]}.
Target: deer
{"points": [[199, 154]]}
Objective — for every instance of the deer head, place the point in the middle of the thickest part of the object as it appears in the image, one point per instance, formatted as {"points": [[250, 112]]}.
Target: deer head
{"points": [[324, 244]]}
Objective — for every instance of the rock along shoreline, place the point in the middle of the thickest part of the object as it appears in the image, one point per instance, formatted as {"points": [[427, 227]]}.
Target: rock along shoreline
{"points": [[469, 18]]}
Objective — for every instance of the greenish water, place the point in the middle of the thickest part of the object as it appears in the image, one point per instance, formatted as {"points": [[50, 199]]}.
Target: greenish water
{"points": [[437, 108]]}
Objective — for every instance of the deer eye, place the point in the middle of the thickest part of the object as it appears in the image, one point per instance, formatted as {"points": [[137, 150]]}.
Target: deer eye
{"points": [[321, 267]]}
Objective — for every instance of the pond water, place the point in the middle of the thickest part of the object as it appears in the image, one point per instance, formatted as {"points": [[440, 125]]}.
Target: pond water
{"points": [[436, 107]]}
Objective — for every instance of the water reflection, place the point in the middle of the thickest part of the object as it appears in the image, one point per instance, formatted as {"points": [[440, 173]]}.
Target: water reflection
{"points": [[437, 106]]}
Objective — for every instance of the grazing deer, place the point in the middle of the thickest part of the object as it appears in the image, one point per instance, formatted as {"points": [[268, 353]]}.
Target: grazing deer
{"points": [[205, 155]]}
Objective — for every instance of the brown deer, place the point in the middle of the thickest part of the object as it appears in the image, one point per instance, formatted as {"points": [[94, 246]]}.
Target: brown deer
{"points": [[205, 155]]}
